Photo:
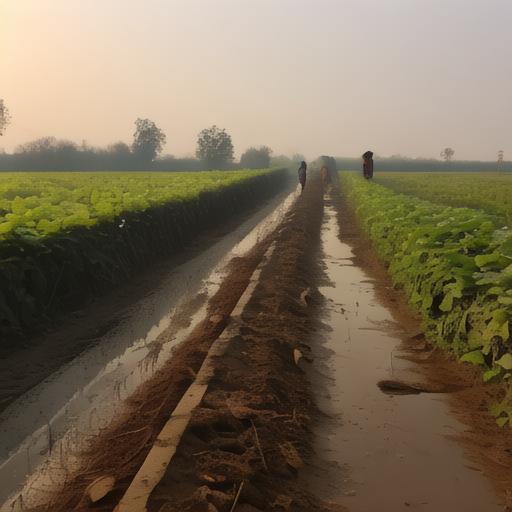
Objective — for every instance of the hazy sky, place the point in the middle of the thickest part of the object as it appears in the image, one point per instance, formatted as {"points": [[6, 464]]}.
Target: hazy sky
{"points": [[309, 76]]}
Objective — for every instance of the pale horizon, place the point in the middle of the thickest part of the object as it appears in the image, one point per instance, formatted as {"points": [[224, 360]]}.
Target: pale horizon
{"points": [[317, 77]]}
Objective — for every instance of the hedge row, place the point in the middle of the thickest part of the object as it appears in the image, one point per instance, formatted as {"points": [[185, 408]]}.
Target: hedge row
{"points": [[40, 279]]}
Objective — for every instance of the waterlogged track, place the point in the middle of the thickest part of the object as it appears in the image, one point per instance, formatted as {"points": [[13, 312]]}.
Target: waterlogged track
{"points": [[386, 448], [385, 444], [41, 432], [257, 407]]}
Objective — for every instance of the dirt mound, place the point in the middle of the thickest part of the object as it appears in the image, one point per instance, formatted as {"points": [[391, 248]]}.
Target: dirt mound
{"points": [[251, 436]]}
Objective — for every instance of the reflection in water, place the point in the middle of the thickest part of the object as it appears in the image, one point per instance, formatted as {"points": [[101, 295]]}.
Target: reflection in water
{"points": [[42, 433], [386, 452]]}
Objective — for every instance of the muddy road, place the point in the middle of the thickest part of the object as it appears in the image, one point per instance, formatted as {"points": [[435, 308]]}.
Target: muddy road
{"points": [[390, 434], [277, 370]]}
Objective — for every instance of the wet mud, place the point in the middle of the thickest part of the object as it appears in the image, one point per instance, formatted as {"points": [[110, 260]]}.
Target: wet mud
{"points": [[54, 421], [131, 312], [327, 396], [487, 447], [388, 450], [250, 437]]}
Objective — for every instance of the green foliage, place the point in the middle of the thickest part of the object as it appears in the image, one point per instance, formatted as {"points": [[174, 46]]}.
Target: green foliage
{"points": [[454, 264], [489, 192], [148, 140], [41, 204], [214, 147], [474, 357], [256, 158], [69, 237]]}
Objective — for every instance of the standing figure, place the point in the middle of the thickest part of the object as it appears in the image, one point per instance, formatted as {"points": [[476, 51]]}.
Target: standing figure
{"points": [[326, 177], [302, 175], [368, 165]]}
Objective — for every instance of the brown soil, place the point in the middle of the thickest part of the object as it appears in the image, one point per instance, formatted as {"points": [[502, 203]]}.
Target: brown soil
{"points": [[252, 428], [251, 435], [488, 446]]}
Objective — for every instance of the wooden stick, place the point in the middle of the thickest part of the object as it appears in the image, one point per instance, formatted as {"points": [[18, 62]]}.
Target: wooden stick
{"points": [[259, 446], [237, 496]]}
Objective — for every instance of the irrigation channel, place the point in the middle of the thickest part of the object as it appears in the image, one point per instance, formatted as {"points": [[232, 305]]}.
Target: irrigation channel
{"points": [[42, 432], [381, 450], [376, 447]]}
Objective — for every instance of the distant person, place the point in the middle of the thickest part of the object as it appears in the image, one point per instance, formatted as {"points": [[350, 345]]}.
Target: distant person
{"points": [[326, 176], [302, 175], [368, 165]]}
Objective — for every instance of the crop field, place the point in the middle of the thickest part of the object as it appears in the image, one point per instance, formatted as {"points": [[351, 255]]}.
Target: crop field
{"points": [[40, 204], [490, 192], [454, 263], [68, 237]]}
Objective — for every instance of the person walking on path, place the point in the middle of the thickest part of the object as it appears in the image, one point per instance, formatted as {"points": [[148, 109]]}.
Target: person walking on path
{"points": [[368, 165], [302, 175]]}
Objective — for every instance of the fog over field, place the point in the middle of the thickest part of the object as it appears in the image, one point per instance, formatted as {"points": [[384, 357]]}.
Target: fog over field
{"points": [[322, 76]]}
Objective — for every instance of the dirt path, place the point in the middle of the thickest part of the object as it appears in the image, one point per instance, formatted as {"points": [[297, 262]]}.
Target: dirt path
{"points": [[390, 427], [253, 424], [68, 407], [430, 446], [258, 441]]}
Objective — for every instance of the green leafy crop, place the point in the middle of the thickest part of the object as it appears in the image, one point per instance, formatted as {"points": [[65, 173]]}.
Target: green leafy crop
{"points": [[490, 192], [41, 204], [66, 238]]}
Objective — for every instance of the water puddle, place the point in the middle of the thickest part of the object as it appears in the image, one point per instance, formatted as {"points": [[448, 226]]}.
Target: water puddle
{"points": [[42, 433], [386, 451]]}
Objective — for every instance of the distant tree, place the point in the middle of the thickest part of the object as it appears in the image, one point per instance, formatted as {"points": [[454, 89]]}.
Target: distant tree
{"points": [[148, 140], [49, 153], [119, 148], [256, 158], [40, 145], [5, 117], [501, 155], [447, 154], [214, 147]]}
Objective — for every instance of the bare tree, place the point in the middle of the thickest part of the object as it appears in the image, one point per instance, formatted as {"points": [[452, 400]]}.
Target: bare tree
{"points": [[447, 154], [5, 117]]}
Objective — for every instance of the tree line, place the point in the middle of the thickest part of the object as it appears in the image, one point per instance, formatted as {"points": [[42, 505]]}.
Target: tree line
{"points": [[404, 164], [214, 150]]}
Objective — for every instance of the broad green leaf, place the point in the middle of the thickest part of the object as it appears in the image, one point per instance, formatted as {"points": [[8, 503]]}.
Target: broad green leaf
{"points": [[447, 303], [502, 421], [474, 357], [505, 361], [485, 260], [490, 374]]}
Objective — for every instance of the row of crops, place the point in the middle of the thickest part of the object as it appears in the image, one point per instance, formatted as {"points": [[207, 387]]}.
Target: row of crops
{"points": [[66, 238], [490, 192], [454, 264]]}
